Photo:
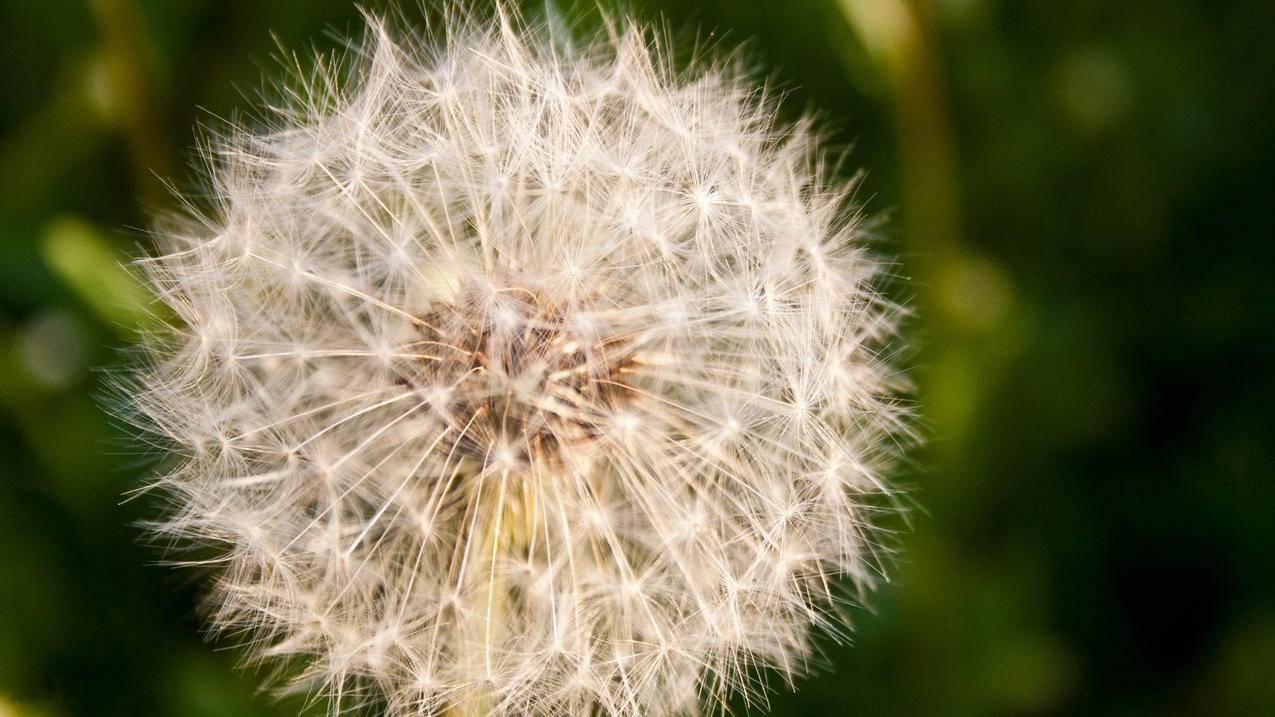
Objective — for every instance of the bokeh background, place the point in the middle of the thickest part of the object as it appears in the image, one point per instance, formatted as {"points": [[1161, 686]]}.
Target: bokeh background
{"points": [[1081, 192]]}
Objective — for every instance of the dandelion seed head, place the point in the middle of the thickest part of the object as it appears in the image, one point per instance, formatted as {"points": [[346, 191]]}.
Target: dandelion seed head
{"points": [[519, 374]]}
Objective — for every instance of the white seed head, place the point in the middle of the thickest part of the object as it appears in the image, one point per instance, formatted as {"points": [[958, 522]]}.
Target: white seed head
{"points": [[514, 374]]}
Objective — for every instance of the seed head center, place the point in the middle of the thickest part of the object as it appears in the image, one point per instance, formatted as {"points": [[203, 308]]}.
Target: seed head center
{"points": [[519, 379]]}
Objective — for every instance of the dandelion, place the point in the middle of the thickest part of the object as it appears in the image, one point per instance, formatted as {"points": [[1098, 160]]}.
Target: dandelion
{"points": [[513, 374]]}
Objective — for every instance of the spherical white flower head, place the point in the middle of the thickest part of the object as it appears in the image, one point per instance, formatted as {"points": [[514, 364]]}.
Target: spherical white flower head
{"points": [[517, 375]]}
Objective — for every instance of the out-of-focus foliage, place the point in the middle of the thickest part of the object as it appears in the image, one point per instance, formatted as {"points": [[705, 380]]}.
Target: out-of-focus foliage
{"points": [[1081, 195]]}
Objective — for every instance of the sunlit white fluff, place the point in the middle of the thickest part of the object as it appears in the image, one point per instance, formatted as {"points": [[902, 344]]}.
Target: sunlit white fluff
{"points": [[514, 374]]}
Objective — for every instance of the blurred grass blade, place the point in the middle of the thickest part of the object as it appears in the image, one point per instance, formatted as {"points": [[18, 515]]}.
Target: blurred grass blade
{"points": [[86, 262]]}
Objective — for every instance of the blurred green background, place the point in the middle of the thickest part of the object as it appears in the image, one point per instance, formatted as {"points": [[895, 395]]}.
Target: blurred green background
{"points": [[1081, 192]]}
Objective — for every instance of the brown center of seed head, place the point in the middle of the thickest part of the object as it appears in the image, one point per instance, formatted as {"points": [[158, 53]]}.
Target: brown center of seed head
{"points": [[520, 380]]}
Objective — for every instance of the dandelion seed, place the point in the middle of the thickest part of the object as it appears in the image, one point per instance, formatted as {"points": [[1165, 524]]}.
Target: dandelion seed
{"points": [[520, 375]]}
